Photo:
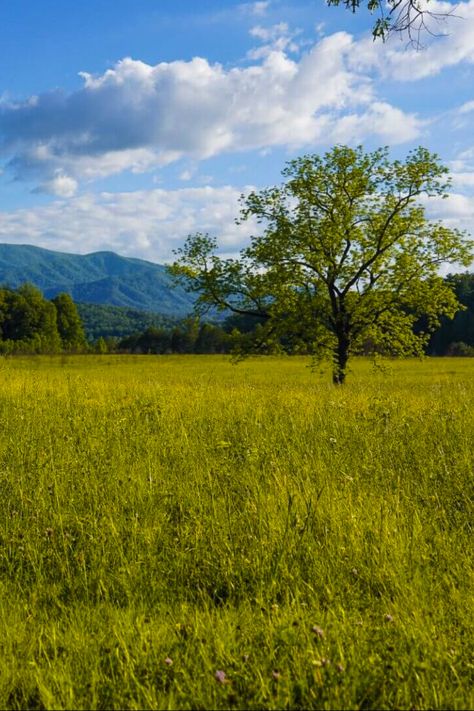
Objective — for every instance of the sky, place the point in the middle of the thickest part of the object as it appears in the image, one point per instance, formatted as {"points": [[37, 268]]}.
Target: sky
{"points": [[126, 125]]}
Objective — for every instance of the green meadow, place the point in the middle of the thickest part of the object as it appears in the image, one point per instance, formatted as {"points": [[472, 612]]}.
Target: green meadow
{"points": [[184, 533]]}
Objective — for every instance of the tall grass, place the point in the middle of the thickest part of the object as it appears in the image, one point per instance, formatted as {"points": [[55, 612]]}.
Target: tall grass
{"points": [[179, 532]]}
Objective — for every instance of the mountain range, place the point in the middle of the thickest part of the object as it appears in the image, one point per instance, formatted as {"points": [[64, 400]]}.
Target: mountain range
{"points": [[96, 278]]}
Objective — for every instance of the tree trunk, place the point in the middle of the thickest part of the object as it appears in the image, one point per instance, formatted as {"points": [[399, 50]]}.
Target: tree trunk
{"points": [[341, 356]]}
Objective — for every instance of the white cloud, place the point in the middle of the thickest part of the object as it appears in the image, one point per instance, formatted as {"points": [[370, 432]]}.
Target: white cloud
{"points": [[138, 116], [258, 9], [148, 224], [382, 119], [60, 186], [455, 212], [267, 34], [320, 28], [461, 180], [466, 107], [277, 38], [186, 175], [463, 164]]}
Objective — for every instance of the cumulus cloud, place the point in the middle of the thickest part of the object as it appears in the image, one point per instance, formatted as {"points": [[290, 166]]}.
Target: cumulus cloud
{"points": [[137, 116], [148, 224], [60, 186], [381, 119]]}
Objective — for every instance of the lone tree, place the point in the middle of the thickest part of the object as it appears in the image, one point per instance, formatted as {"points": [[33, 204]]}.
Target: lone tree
{"points": [[346, 260], [410, 18]]}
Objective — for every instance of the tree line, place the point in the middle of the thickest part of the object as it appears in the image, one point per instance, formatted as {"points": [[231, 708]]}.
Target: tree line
{"points": [[29, 324], [454, 337]]}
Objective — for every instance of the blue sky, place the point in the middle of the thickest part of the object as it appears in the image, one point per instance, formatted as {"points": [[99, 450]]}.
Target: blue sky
{"points": [[128, 124]]}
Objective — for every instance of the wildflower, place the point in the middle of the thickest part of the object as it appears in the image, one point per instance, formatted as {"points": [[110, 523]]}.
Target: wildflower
{"points": [[221, 677], [168, 661]]}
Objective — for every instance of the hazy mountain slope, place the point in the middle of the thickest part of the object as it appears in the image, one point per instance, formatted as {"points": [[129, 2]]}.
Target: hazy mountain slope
{"points": [[97, 278]]}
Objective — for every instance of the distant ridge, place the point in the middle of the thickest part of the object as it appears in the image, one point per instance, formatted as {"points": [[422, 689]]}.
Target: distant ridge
{"points": [[96, 278]]}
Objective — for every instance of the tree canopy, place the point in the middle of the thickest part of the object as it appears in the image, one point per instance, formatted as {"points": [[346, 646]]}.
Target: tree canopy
{"points": [[70, 327], [346, 259], [29, 323], [410, 18]]}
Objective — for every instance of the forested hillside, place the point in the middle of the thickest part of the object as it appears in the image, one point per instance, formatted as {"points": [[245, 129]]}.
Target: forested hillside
{"points": [[97, 278], [101, 320]]}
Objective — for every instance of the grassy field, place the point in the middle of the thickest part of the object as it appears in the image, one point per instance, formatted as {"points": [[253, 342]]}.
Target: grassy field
{"points": [[183, 533]]}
